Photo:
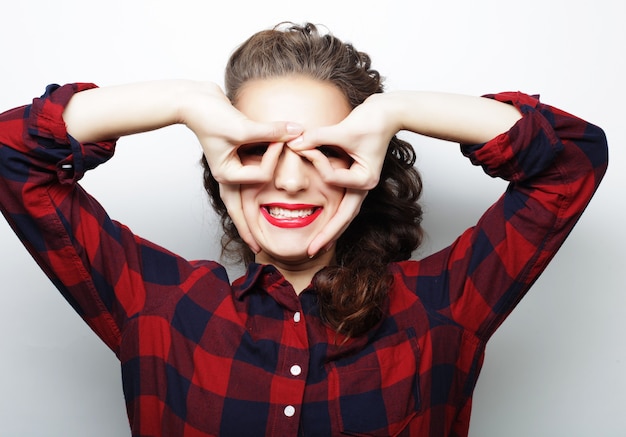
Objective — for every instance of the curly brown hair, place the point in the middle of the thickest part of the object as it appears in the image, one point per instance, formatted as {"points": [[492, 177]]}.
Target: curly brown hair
{"points": [[353, 292]]}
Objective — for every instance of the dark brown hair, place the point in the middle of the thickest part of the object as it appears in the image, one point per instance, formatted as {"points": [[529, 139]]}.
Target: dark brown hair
{"points": [[352, 293]]}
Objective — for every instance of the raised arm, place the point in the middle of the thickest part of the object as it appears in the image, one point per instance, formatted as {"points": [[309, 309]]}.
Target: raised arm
{"points": [[97, 263], [453, 117], [102, 113], [553, 160], [366, 132]]}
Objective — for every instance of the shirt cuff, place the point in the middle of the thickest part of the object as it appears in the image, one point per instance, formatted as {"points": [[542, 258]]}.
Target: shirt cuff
{"points": [[528, 148], [47, 127]]}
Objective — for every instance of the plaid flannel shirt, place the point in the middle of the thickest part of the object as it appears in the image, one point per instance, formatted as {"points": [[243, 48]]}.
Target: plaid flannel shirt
{"points": [[202, 357]]}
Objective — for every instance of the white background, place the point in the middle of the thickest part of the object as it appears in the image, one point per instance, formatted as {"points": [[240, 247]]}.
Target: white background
{"points": [[557, 367]]}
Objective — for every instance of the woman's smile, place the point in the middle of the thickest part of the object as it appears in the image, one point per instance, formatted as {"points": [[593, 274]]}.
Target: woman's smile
{"points": [[290, 215]]}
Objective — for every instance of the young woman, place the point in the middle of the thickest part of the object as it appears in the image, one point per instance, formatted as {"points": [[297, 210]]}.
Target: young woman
{"points": [[333, 329]]}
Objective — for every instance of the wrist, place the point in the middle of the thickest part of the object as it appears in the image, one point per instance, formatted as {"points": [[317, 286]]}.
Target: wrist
{"points": [[390, 109], [191, 99]]}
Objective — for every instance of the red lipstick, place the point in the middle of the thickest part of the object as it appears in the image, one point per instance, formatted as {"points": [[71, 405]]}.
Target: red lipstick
{"points": [[290, 215]]}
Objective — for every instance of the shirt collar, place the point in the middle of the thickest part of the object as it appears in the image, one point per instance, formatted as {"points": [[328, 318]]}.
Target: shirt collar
{"points": [[243, 284], [266, 278]]}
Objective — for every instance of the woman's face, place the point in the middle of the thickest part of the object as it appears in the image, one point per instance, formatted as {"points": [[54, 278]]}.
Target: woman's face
{"points": [[286, 213]]}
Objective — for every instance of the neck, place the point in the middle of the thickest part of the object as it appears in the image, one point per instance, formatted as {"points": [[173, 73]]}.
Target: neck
{"points": [[298, 281], [299, 273]]}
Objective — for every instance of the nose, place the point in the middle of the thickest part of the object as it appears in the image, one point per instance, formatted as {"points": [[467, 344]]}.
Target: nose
{"points": [[291, 173]]}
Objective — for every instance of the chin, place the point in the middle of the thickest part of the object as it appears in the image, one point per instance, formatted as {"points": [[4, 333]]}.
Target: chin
{"points": [[272, 257], [286, 245]]}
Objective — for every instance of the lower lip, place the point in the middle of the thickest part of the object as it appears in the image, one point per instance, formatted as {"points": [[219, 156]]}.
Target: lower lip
{"points": [[296, 222]]}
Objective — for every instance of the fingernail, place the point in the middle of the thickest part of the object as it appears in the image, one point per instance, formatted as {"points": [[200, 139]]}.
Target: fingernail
{"points": [[294, 128], [295, 142]]}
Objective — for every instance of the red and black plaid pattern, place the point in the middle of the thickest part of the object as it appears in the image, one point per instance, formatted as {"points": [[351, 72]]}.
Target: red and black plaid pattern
{"points": [[201, 357]]}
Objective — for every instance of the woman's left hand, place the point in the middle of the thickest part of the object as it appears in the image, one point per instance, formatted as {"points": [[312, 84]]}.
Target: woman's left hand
{"points": [[364, 135]]}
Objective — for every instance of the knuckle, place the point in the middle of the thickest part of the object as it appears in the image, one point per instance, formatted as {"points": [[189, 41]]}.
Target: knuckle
{"points": [[219, 177], [371, 182]]}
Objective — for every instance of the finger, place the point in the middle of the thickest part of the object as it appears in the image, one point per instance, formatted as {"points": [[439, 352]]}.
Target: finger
{"points": [[231, 196], [315, 137], [270, 160], [357, 176], [257, 173], [277, 131], [319, 161], [230, 170], [347, 211]]}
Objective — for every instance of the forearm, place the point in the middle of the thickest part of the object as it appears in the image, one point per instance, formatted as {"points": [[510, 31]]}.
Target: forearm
{"points": [[453, 117], [105, 113]]}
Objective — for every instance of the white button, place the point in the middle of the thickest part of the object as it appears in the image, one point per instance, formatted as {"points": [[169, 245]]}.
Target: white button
{"points": [[295, 370], [296, 317], [289, 410]]}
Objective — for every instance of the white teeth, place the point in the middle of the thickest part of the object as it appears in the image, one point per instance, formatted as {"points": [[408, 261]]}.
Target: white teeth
{"points": [[289, 213]]}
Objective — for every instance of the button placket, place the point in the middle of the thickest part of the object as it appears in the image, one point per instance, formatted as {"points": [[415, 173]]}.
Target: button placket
{"points": [[294, 375]]}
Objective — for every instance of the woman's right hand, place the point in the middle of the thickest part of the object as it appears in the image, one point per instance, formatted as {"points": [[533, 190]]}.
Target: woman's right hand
{"points": [[221, 129], [110, 112]]}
